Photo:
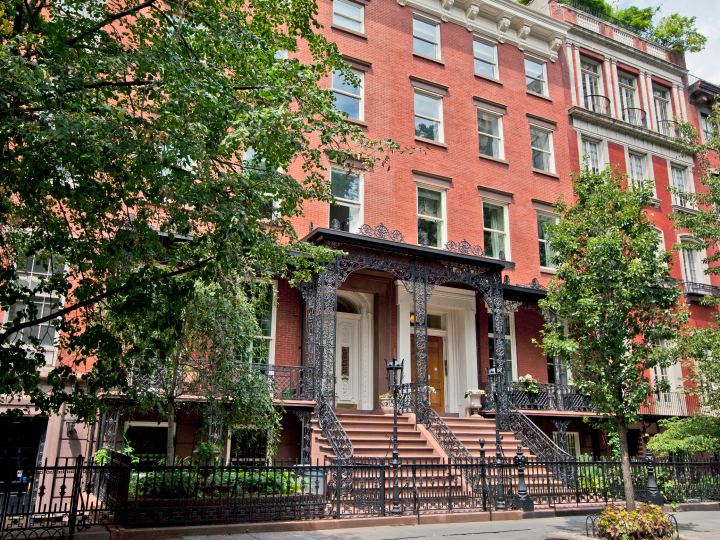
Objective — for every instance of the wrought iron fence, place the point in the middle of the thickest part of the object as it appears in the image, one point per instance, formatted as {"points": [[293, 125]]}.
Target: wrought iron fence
{"points": [[56, 501], [542, 396], [287, 382]]}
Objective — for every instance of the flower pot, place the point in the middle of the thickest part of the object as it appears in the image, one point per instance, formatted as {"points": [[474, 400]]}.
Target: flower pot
{"points": [[475, 404], [386, 405]]}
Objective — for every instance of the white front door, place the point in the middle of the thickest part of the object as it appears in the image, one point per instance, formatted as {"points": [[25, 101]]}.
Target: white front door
{"points": [[347, 359]]}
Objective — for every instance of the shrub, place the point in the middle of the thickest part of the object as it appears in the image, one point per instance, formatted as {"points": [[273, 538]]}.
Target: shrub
{"points": [[647, 522]]}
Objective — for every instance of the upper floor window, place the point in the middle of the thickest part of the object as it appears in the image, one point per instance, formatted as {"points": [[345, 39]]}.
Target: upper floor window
{"points": [[546, 254], [662, 110], [348, 98], [680, 183], [426, 38], [591, 155], [495, 228], [431, 217], [628, 104], [707, 126], [485, 59], [349, 15], [541, 144], [346, 212], [692, 266], [428, 116], [490, 134], [535, 76], [263, 349], [592, 87], [43, 304], [637, 170]]}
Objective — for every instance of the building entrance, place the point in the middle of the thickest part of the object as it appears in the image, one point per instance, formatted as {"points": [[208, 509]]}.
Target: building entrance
{"points": [[436, 370]]}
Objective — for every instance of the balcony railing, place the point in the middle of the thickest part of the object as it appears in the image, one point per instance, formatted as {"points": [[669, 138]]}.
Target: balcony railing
{"points": [[600, 15], [546, 397], [700, 289], [668, 128], [672, 404], [286, 382], [636, 117], [597, 103]]}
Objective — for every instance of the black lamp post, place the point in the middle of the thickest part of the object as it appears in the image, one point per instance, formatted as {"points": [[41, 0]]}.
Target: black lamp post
{"points": [[394, 371]]}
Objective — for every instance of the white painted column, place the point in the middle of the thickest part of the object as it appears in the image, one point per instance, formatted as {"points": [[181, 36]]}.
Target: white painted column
{"points": [[573, 90], [644, 104], [651, 101], [681, 97], [581, 96], [677, 111], [609, 83], [616, 90]]}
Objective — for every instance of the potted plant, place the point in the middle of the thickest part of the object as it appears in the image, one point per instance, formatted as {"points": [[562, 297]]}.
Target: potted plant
{"points": [[386, 403], [529, 383], [475, 395]]}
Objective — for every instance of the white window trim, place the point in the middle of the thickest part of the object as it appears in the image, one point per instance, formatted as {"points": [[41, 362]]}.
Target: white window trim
{"points": [[273, 321], [556, 219], [435, 23], [655, 99], [441, 130], [538, 60], [362, 16], [347, 202], [500, 130], [602, 150], [634, 89], [647, 167], [568, 434], [443, 207], [493, 44], [513, 344], [361, 109], [551, 145], [599, 75], [506, 215], [690, 184], [701, 266]]}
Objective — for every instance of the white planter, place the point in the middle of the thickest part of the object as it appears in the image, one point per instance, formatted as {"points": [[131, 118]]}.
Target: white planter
{"points": [[475, 404], [386, 405]]}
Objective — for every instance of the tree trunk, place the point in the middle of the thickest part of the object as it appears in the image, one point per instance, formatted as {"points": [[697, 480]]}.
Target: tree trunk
{"points": [[170, 449], [626, 471]]}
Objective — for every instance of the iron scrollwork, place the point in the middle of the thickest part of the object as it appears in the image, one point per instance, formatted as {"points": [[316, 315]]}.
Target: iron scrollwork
{"points": [[465, 247], [381, 232]]}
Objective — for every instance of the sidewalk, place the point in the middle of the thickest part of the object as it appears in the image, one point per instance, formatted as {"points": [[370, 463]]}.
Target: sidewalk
{"points": [[693, 526]]}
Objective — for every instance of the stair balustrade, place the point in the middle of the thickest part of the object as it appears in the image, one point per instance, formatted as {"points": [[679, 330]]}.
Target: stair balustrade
{"points": [[332, 429]]}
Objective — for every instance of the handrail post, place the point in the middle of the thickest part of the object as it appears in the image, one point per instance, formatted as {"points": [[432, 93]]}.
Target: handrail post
{"points": [[523, 500], [483, 475], [654, 494]]}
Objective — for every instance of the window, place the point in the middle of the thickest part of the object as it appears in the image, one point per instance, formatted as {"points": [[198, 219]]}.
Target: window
{"points": [[662, 108], [573, 442], [348, 15], [490, 134], [591, 155], [637, 170], [348, 98], [426, 38], [708, 126], [630, 113], [535, 76], [510, 367], [263, 350], [541, 144], [592, 88], [431, 218], [45, 303], [679, 180], [428, 116], [692, 266], [485, 59], [255, 165], [495, 230], [546, 254], [346, 213], [560, 368]]}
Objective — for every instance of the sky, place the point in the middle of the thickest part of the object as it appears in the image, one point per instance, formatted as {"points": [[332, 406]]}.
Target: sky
{"points": [[705, 64]]}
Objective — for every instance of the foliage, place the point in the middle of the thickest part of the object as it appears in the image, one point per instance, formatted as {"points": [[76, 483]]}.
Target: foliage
{"points": [[207, 451], [474, 391], [614, 444], [530, 383], [614, 293], [679, 34], [386, 396], [102, 458], [123, 132], [687, 436], [648, 522], [637, 17], [168, 483]]}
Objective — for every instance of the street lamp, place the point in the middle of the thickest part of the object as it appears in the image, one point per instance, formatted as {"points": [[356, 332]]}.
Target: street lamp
{"points": [[394, 371]]}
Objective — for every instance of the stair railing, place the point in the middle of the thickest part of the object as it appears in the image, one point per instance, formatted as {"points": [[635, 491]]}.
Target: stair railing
{"points": [[332, 429]]}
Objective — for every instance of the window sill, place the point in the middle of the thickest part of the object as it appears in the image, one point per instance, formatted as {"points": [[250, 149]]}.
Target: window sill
{"points": [[430, 58], [356, 122], [486, 78], [546, 98], [677, 209], [430, 141], [546, 270], [347, 30], [546, 173], [496, 160]]}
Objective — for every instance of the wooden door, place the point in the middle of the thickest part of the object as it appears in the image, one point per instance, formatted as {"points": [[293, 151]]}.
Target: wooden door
{"points": [[436, 370]]}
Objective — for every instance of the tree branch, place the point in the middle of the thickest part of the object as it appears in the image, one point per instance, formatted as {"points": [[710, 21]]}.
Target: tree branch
{"points": [[94, 300], [110, 20]]}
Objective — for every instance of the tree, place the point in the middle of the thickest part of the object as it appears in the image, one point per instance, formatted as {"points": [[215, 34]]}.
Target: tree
{"points": [[614, 293], [639, 18], [687, 436], [123, 127], [679, 34]]}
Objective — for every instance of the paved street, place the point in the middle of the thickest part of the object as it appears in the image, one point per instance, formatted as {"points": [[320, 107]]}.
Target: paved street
{"points": [[693, 526]]}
